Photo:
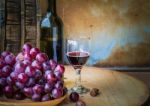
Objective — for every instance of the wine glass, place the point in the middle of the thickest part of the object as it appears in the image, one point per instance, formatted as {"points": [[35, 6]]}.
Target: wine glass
{"points": [[77, 54]]}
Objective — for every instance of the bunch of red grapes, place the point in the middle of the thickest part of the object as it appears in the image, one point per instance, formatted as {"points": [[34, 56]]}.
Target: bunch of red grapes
{"points": [[30, 74]]}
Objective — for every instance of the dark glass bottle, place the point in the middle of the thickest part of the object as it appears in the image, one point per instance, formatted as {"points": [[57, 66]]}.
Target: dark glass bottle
{"points": [[51, 39]]}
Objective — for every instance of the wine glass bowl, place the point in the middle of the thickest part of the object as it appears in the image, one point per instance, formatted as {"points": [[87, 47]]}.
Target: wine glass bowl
{"points": [[77, 58], [77, 54]]}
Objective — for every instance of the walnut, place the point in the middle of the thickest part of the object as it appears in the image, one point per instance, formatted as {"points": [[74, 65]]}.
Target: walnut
{"points": [[94, 92]]}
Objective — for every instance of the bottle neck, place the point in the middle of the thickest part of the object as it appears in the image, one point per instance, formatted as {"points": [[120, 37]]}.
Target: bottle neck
{"points": [[52, 7]]}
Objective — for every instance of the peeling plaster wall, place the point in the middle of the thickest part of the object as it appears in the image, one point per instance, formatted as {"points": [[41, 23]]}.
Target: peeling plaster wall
{"points": [[119, 29]]}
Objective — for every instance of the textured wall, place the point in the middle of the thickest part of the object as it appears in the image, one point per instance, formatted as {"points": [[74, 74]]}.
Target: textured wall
{"points": [[119, 29]]}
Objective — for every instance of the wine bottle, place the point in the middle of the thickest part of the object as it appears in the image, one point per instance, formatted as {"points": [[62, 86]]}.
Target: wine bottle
{"points": [[51, 38]]}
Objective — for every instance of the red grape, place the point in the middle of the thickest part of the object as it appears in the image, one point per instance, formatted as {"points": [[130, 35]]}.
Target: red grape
{"points": [[46, 66], [20, 67], [28, 92], [53, 64], [46, 73], [30, 82], [3, 82], [45, 98], [13, 75], [38, 89], [41, 57], [2, 63], [20, 57], [74, 96], [51, 78], [23, 78], [48, 87], [60, 68], [36, 97], [37, 65], [59, 84], [58, 75], [38, 74], [27, 57], [19, 85], [57, 93], [9, 91], [30, 71], [10, 81], [5, 53], [10, 59], [6, 70], [26, 48], [34, 52], [26, 62]]}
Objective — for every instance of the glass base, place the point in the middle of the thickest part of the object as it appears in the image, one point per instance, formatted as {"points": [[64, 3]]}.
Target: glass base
{"points": [[79, 89]]}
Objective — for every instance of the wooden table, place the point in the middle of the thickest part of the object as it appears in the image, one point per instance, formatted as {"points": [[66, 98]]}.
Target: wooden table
{"points": [[117, 89]]}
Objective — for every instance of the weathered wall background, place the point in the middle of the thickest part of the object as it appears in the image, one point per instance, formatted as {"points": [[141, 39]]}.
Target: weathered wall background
{"points": [[119, 29]]}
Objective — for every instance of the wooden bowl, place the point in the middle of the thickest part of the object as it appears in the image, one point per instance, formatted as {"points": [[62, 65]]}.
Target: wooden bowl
{"points": [[27, 102]]}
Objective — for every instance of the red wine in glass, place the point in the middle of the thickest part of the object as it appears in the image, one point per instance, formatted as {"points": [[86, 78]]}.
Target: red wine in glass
{"points": [[77, 59]]}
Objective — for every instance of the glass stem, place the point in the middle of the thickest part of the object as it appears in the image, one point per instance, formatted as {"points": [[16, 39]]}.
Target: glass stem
{"points": [[78, 78]]}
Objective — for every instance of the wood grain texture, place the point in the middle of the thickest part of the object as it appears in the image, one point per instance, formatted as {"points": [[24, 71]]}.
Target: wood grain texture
{"points": [[143, 76], [117, 89]]}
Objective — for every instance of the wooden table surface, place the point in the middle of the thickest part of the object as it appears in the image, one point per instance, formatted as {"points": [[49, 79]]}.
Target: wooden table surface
{"points": [[117, 89], [143, 76]]}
